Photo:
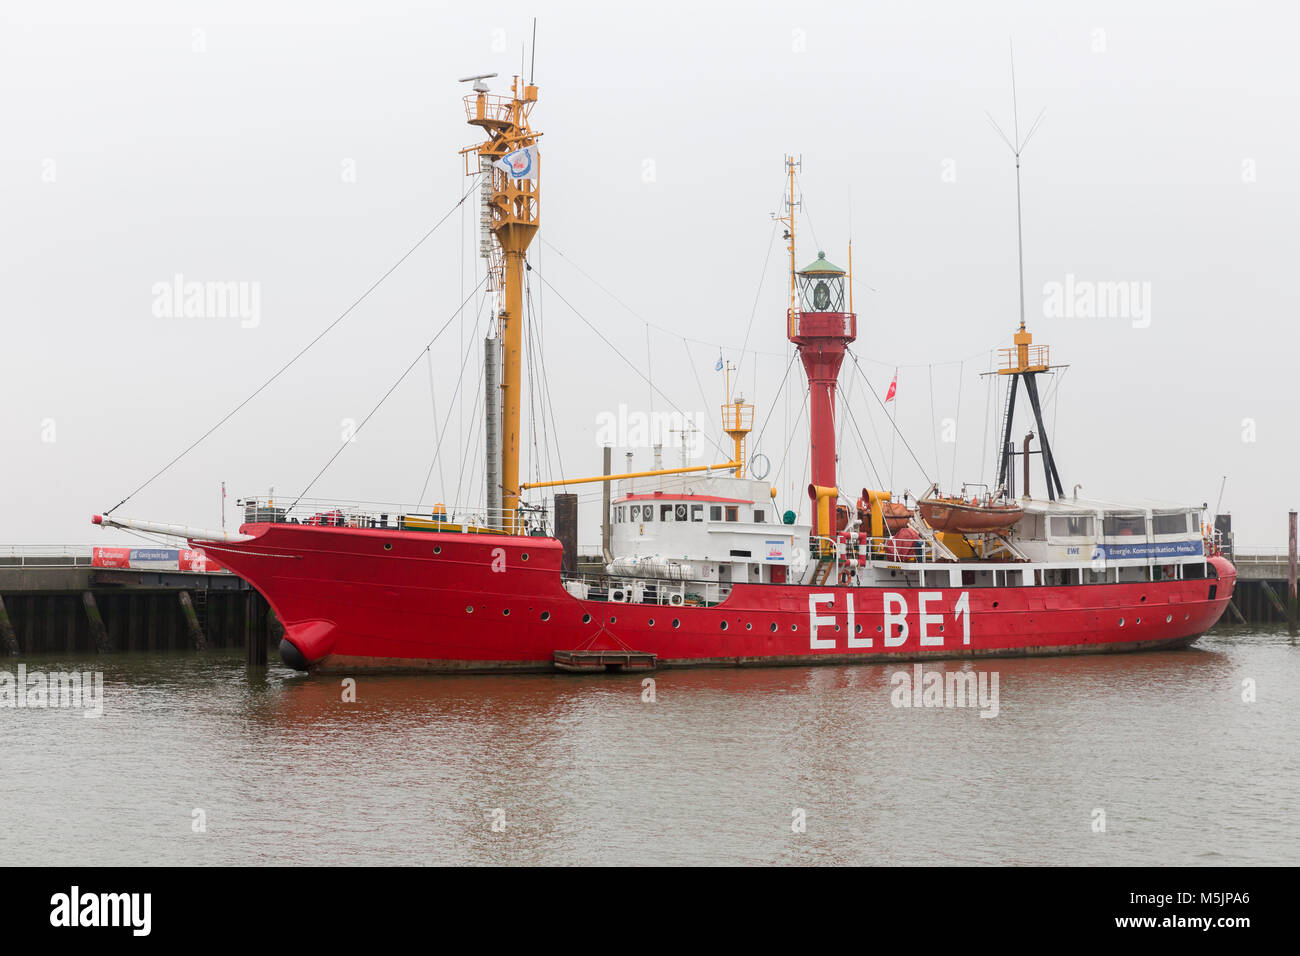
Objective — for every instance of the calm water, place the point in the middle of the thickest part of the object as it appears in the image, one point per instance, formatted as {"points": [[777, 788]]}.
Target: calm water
{"points": [[711, 772]]}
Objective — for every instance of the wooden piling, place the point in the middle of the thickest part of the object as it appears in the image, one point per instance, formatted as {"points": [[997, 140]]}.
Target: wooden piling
{"points": [[192, 622], [1294, 607], [8, 639], [98, 633], [254, 629]]}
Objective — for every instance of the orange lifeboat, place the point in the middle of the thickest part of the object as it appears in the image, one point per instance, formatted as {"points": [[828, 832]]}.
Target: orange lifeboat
{"points": [[970, 517]]}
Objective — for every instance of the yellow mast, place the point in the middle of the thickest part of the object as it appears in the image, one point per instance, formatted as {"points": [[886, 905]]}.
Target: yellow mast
{"points": [[737, 422], [513, 205]]}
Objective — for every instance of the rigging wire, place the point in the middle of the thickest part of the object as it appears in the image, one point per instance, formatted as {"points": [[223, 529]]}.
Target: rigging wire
{"points": [[780, 390], [617, 352], [785, 455], [433, 395], [381, 401], [437, 451], [771, 241], [956, 429], [886, 411], [343, 315], [862, 441], [699, 384], [934, 430]]}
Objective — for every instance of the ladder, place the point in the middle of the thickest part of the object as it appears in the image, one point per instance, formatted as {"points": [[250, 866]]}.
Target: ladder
{"points": [[938, 548], [1010, 548]]}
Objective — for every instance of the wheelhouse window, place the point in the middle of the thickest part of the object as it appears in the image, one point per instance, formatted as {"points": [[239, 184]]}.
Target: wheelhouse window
{"points": [[697, 512], [648, 512], [1169, 523], [758, 515], [733, 513], [715, 512], [1071, 526], [679, 512], [1114, 526], [665, 512], [636, 512]]}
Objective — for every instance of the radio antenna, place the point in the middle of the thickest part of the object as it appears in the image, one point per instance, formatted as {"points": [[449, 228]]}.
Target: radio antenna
{"points": [[532, 63], [1017, 147]]}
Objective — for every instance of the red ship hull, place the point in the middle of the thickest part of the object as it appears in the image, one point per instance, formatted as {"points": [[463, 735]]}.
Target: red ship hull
{"points": [[353, 599]]}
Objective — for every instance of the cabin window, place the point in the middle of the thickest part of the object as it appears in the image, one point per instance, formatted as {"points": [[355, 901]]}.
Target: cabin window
{"points": [[679, 512], [758, 515], [732, 512], [636, 512], [1116, 525], [697, 512], [1070, 526], [665, 512], [1170, 524], [648, 512], [715, 513]]}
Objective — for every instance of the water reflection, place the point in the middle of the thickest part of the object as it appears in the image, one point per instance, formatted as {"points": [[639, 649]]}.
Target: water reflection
{"points": [[582, 769]]}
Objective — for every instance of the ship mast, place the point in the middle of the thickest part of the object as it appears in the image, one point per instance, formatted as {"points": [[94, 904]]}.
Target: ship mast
{"points": [[509, 214]]}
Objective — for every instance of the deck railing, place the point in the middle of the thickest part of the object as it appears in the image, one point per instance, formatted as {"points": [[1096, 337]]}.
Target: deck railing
{"points": [[464, 519]]}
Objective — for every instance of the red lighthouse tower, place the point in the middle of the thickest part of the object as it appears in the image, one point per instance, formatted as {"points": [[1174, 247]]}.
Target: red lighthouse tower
{"points": [[822, 327]]}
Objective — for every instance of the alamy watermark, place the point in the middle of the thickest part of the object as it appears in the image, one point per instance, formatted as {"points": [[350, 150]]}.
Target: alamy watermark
{"points": [[71, 690], [950, 689], [182, 299], [626, 428], [1088, 299]]}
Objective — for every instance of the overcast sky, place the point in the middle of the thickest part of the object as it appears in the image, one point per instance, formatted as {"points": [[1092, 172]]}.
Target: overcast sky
{"points": [[304, 148]]}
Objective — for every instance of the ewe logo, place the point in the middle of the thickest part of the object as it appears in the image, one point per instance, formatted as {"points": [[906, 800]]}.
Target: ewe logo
{"points": [[103, 909]]}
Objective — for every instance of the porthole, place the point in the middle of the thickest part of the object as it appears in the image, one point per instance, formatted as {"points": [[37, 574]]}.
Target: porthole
{"points": [[613, 620], [1121, 622], [995, 603], [940, 628], [1187, 617], [388, 546], [469, 608], [857, 628], [794, 627], [724, 625], [505, 612], [546, 615], [437, 549], [651, 622], [748, 626], [773, 627], [837, 628], [523, 556], [676, 623], [1168, 618], [879, 628], [1138, 621], [586, 619], [1144, 597]]}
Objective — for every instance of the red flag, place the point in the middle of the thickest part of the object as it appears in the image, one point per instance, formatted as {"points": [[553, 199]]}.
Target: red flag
{"points": [[893, 387]]}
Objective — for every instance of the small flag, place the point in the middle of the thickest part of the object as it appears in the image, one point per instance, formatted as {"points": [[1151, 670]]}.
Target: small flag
{"points": [[521, 164], [893, 388], [717, 367]]}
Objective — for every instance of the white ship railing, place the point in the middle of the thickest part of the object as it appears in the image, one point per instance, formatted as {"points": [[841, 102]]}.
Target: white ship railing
{"points": [[45, 555], [332, 512]]}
